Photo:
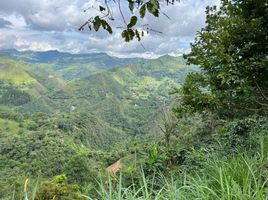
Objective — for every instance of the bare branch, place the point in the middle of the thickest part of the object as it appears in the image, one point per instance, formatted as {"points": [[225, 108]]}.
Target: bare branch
{"points": [[121, 13], [260, 103]]}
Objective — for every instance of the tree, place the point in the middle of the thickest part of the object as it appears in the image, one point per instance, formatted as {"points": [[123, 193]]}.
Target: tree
{"points": [[169, 125], [15, 97], [58, 189], [232, 52], [79, 170], [138, 10]]}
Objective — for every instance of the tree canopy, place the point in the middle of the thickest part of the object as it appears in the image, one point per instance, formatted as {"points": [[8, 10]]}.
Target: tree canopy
{"points": [[232, 52]]}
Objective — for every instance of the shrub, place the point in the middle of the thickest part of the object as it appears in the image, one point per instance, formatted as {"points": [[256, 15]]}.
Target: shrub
{"points": [[58, 189], [15, 97]]}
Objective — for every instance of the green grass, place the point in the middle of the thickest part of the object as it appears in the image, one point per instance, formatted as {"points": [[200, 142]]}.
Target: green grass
{"points": [[12, 71], [237, 178]]}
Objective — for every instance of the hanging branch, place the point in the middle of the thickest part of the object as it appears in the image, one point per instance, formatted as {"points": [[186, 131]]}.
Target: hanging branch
{"points": [[130, 30], [121, 13]]}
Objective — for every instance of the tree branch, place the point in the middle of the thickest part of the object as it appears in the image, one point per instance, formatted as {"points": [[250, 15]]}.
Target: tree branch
{"points": [[162, 130], [259, 89], [237, 106], [260, 103], [121, 12]]}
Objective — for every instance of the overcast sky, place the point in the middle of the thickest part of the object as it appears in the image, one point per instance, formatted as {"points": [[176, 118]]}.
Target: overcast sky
{"points": [[53, 25]]}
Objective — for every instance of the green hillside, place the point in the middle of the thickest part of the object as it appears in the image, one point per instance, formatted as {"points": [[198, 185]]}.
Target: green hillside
{"points": [[79, 127], [69, 66], [12, 71], [98, 115], [129, 97], [126, 98], [97, 127]]}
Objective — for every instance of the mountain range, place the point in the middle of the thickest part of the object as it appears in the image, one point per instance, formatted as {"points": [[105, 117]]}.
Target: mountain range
{"points": [[55, 105]]}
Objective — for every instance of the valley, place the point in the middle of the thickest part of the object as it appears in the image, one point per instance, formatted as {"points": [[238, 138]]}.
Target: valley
{"points": [[141, 126], [50, 112]]}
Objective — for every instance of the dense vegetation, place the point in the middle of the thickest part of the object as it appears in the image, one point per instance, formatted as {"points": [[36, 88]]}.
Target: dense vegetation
{"points": [[180, 132], [48, 120]]}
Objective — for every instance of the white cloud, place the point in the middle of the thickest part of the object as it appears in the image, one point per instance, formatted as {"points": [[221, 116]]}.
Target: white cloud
{"points": [[4, 23], [16, 20], [53, 24], [10, 41]]}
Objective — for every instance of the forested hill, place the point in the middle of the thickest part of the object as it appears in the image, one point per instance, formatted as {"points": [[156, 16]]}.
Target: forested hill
{"points": [[54, 106], [93, 126], [69, 66]]}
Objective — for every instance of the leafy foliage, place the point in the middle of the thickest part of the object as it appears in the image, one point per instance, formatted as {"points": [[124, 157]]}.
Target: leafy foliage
{"points": [[85, 125], [80, 127], [233, 62], [15, 97], [58, 189], [129, 30], [79, 170]]}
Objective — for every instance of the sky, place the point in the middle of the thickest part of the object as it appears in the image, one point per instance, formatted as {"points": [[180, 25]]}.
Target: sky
{"points": [[42, 25]]}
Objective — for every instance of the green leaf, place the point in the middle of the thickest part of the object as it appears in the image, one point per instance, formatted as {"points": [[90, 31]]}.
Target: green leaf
{"points": [[143, 11], [102, 8], [125, 35], [137, 35], [153, 7], [155, 3], [128, 35], [131, 33], [106, 26], [97, 23], [132, 22], [131, 5], [109, 29]]}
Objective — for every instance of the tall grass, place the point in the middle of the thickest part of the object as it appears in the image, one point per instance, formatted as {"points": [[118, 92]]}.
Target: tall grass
{"points": [[235, 178]]}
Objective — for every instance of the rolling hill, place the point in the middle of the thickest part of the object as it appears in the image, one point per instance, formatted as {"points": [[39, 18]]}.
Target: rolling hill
{"points": [[46, 106], [69, 66]]}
